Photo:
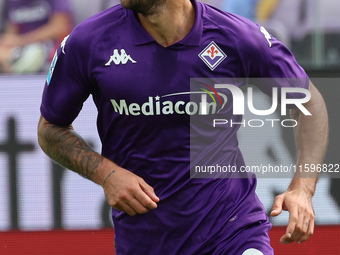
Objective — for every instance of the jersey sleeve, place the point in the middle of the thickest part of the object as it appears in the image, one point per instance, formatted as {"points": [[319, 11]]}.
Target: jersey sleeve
{"points": [[270, 62], [68, 82]]}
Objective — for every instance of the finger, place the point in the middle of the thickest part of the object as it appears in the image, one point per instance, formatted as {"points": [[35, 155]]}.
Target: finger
{"points": [[137, 206], [293, 219], [309, 232], [277, 207], [285, 239], [300, 227], [145, 200], [149, 191], [305, 225], [117, 207], [126, 208], [132, 200], [127, 203]]}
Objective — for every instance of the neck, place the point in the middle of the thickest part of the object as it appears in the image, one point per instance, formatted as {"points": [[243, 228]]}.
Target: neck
{"points": [[173, 22]]}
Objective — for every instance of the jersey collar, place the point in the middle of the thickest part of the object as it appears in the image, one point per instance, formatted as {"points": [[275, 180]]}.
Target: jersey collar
{"points": [[193, 38]]}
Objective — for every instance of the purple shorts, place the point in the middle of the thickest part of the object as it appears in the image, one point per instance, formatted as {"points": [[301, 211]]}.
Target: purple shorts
{"points": [[251, 239]]}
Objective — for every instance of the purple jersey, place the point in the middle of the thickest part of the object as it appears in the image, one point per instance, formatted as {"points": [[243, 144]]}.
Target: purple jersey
{"points": [[145, 114], [28, 15]]}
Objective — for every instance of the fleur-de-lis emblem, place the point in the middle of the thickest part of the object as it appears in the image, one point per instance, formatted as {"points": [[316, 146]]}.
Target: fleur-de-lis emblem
{"points": [[212, 55], [212, 51]]}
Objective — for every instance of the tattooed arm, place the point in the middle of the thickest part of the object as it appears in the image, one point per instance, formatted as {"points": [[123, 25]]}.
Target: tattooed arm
{"points": [[124, 190]]}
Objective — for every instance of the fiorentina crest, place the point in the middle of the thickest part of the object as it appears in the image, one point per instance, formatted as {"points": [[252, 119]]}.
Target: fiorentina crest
{"points": [[212, 55]]}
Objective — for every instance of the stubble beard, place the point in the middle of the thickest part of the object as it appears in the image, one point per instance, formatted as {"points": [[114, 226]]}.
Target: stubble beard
{"points": [[144, 7]]}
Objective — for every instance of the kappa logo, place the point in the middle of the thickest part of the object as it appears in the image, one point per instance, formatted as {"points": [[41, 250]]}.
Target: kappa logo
{"points": [[212, 55], [266, 35], [63, 44], [121, 58]]}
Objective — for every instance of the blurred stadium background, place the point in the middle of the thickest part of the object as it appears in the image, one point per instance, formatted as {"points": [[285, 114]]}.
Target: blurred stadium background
{"points": [[48, 210]]}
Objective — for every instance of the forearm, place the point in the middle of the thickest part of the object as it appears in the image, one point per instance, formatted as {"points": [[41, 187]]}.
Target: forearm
{"points": [[311, 136], [124, 190], [67, 148]]}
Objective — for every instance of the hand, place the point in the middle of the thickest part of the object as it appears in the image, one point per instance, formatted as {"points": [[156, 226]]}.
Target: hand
{"points": [[301, 215], [129, 193]]}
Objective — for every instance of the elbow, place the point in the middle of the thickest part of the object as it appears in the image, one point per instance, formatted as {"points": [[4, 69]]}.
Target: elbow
{"points": [[41, 132], [49, 133]]}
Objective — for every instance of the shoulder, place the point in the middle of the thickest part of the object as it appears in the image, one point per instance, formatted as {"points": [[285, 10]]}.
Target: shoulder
{"points": [[216, 18], [258, 51], [77, 50], [92, 30], [243, 32]]}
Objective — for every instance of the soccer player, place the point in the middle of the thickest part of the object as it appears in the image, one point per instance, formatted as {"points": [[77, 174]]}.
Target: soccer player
{"points": [[136, 60]]}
